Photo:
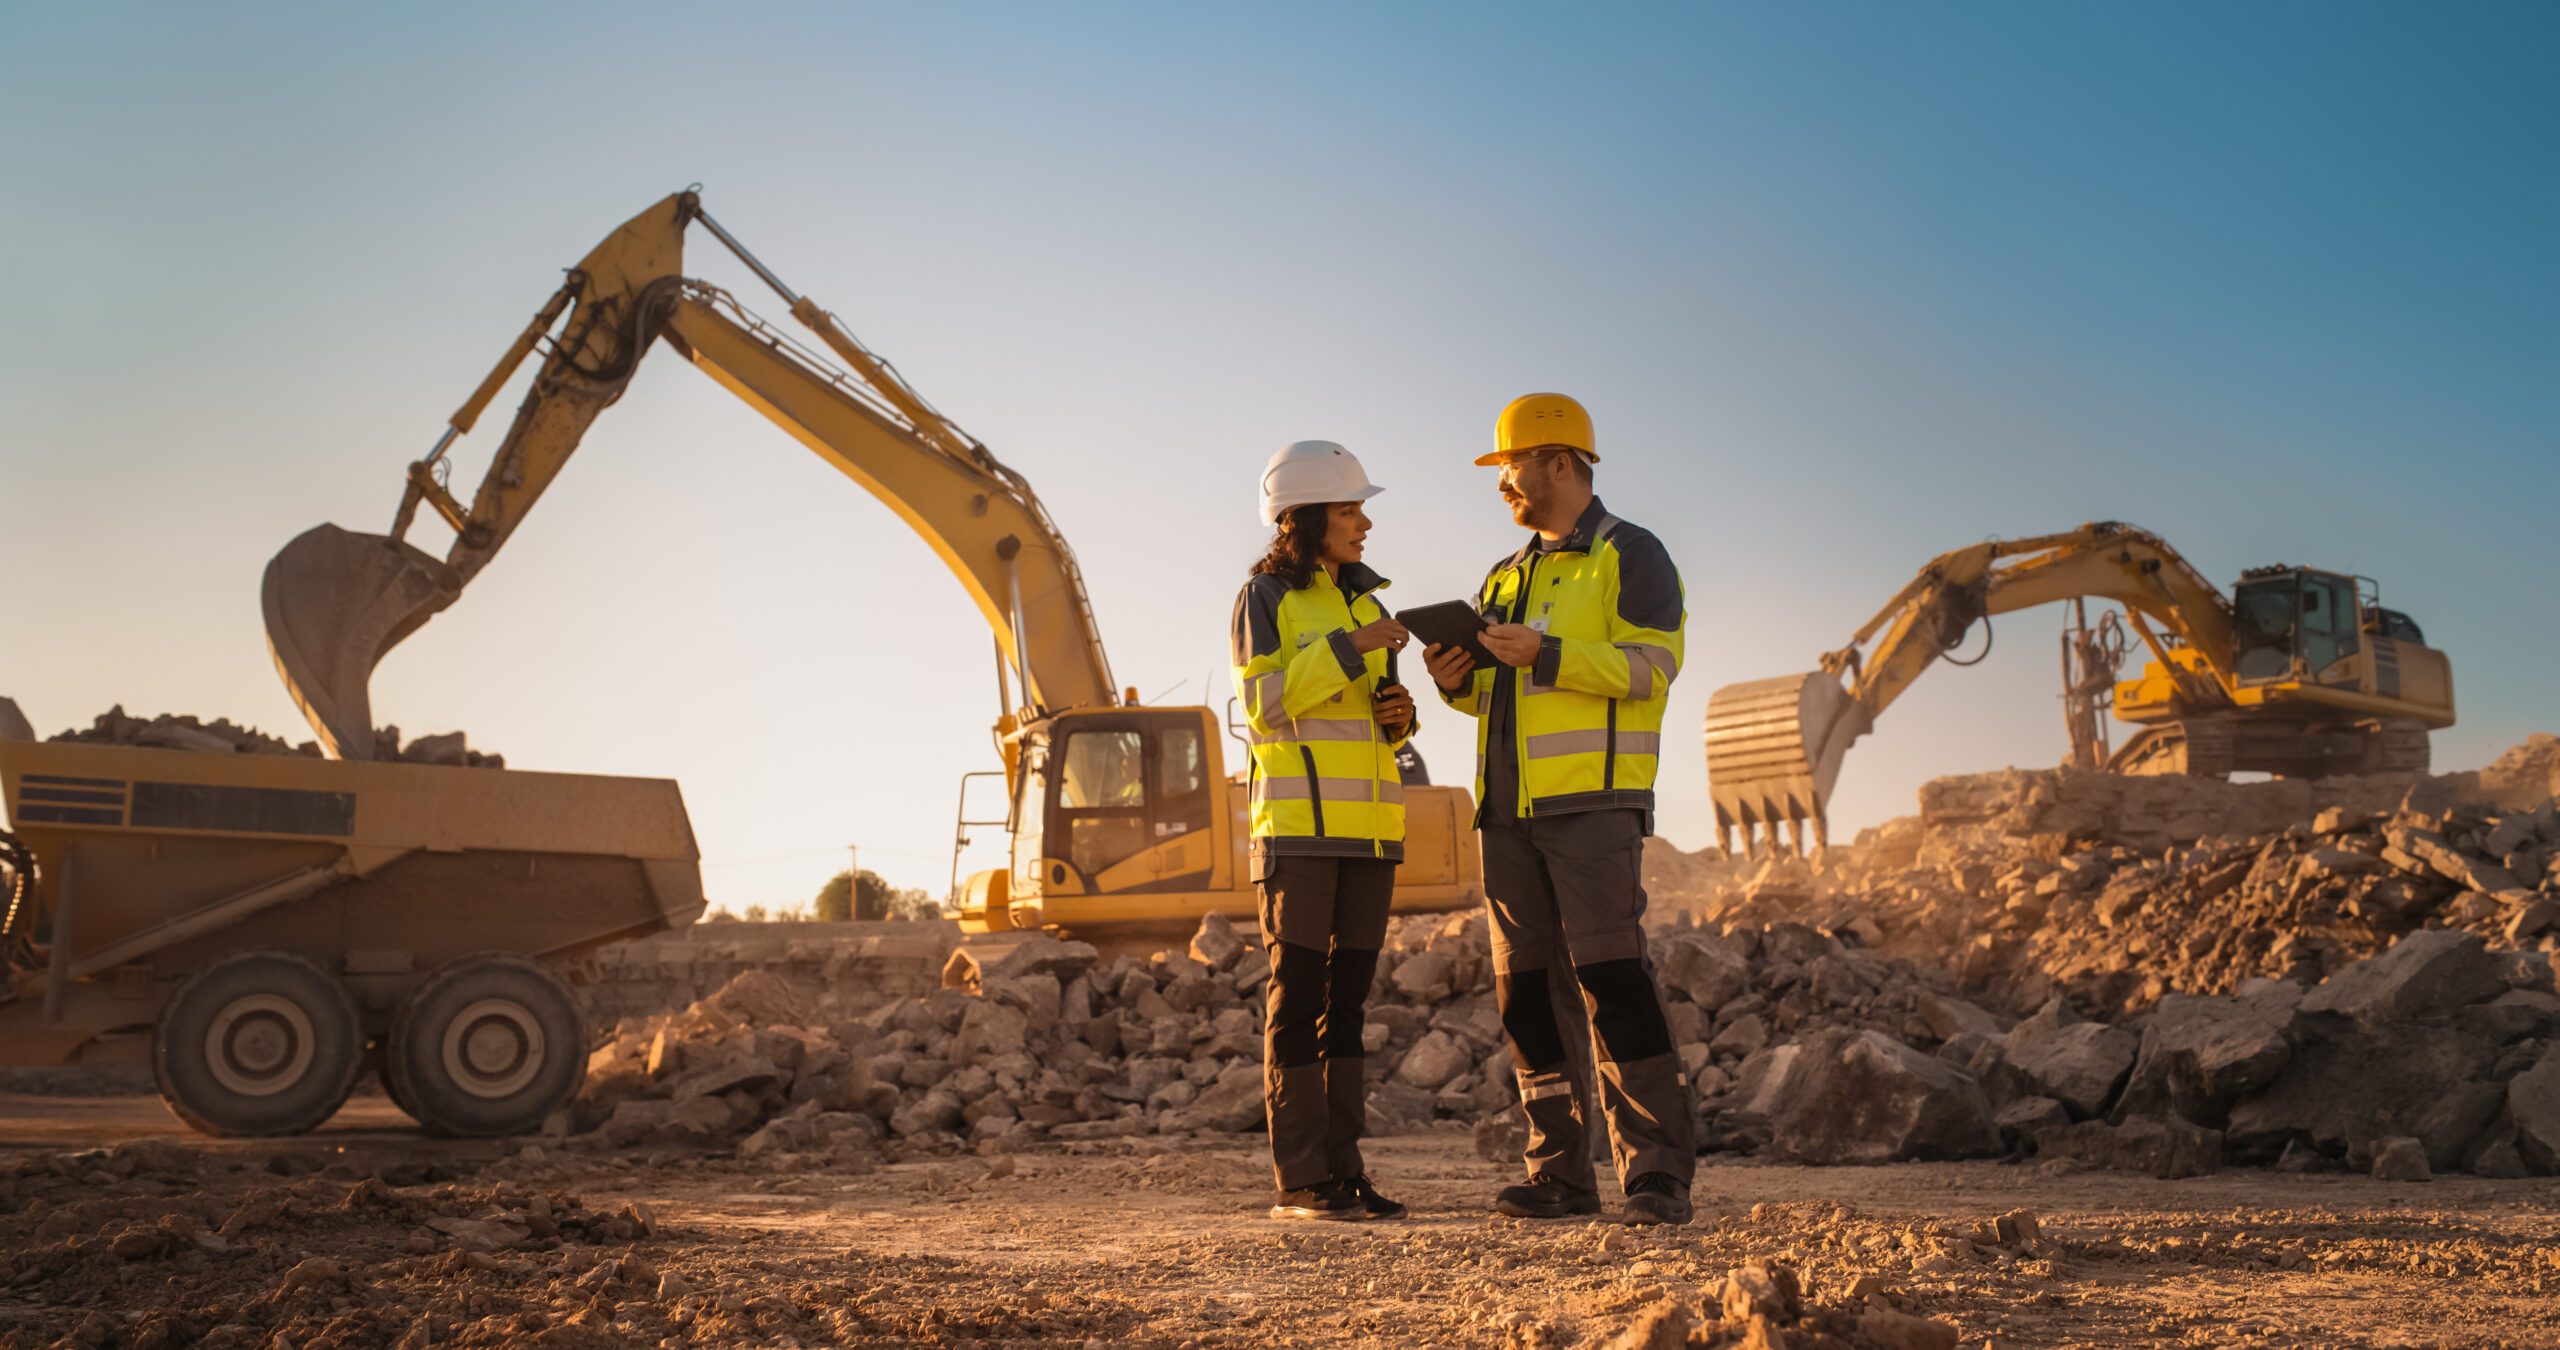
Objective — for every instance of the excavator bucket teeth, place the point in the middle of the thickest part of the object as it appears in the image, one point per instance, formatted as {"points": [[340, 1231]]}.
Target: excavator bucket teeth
{"points": [[1773, 751], [335, 601]]}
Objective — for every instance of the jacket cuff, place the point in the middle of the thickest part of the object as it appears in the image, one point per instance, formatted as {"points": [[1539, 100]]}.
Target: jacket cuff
{"points": [[1550, 660], [1353, 664]]}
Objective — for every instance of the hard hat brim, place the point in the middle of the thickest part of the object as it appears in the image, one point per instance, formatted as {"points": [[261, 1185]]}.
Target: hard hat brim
{"points": [[1279, 509], [1505, 456]]}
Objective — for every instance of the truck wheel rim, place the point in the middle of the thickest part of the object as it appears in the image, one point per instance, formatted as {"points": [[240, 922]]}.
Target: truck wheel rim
{"points": [[493, 1048], [259, 1045]]}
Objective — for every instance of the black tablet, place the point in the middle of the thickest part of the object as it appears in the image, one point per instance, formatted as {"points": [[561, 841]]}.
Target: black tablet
{"points": [[1451, 623]]}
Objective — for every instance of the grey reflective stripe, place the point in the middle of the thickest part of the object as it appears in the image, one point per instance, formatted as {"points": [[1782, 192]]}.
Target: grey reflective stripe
{"points": [[1607, 523], [1550, 744], [1530, 688], [1269, 689], [1294, 788], [1319, 729], [1391, 791], [1644, 661]]}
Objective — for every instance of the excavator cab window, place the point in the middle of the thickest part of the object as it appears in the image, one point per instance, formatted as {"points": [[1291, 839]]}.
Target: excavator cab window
{"points": [[1102, 797], [2263, 628], [2328, 626], [1127, 784]]}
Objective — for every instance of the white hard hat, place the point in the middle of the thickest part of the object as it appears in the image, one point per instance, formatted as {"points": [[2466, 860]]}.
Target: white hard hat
{"points": [[1312, 471]]}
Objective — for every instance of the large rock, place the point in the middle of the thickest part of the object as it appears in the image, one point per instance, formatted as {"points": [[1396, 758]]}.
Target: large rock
{"points": [[1701, 968], [760, 998], [1949, 1017], [1843, 1096], [1233, 1102], [2074, 1062], [1434, 1060], [2533, 1100], [1216, 945], [2343, 1094], [1014, 954], [2201, 1052], [1424, 977], [2426, 974], [991, 1028]]}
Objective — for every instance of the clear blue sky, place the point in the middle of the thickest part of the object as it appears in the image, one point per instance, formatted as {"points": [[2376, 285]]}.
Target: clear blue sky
{"points": [[1844, 286]]}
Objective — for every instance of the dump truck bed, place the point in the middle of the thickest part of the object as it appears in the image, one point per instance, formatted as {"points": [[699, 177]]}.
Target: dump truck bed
{"points": [[153, 862]]}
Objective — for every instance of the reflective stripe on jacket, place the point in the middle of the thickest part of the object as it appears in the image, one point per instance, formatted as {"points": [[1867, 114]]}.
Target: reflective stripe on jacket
{"points": [[1587, 714], [1324, 775]]}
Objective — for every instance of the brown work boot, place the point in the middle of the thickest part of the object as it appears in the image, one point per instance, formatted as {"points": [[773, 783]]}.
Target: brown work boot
{"points": [[1324, 1200], [1545, 1197], [1657, 1197]]}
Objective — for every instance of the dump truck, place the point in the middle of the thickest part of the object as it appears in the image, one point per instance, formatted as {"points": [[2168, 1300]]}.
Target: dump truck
{"points": [[261, 929], [2299, 673], [1121, 818]]}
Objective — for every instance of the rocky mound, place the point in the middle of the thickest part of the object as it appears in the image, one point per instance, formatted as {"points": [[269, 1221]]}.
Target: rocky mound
{"points": [[172, 731]]}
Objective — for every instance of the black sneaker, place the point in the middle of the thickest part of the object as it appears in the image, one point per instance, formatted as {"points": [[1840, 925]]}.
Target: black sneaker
{"points": [[1375, 1205], [1657, 1197], [1324, 1200], [1544, 1197]]}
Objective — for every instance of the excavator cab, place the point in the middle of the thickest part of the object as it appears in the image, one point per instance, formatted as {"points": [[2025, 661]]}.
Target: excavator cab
{"points": [[2295, 624], [1116, 802]]}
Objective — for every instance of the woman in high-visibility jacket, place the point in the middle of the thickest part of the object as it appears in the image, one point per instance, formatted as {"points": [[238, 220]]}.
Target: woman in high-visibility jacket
{"points": [[1314, 657]]}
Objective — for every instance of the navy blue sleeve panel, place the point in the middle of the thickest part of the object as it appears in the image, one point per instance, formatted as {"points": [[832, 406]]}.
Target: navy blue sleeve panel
{"points": [[1648, 583], [1255, 629]]}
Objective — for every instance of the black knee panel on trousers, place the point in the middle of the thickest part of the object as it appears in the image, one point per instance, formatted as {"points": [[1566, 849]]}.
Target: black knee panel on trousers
{"points": [[1529, 1017], [1294, 1005], [1626, 1012], [1347, 980]]}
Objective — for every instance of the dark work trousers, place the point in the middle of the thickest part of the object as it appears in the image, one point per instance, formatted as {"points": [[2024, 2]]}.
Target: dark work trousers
{"points": [[1567, 895], [1324, 920]]}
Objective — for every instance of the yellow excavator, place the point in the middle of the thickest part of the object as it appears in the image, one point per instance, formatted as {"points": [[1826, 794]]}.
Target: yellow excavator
{"points": [[1119, 816], [2300, 673]]}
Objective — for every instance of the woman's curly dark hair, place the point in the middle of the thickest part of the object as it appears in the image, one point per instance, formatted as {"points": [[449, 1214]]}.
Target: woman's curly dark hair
{"points": [[1297, 547]]}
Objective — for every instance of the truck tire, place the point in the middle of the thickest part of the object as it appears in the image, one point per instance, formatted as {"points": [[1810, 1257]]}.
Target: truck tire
{"points": [[257, 1043], [490, 1045]]}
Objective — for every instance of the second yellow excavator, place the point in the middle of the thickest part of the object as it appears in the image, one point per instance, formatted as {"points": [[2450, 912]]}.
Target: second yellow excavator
{"points": [[1120, 817], [2300, 673]]}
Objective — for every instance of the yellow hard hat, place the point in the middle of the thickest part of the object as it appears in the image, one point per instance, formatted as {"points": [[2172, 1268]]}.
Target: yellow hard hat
{"points": [[1536, 421]]}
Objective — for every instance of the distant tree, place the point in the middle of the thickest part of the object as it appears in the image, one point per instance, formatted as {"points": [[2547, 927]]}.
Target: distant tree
{"points": [[754, 914], [846, 896]]}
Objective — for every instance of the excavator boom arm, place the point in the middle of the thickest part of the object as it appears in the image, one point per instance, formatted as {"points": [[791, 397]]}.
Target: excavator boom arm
{"points": [[336, 601]]}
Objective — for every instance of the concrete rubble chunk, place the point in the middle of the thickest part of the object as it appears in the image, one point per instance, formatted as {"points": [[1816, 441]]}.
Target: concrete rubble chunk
{"points": [[1434, 1060], [2074, 1062], [1217, 944], [2401, 1159], [1860, 1096], [2200, 1052], [2425, 974], [1661, 1325], [2533, 1102], [761, 998], [1761, 1289]]}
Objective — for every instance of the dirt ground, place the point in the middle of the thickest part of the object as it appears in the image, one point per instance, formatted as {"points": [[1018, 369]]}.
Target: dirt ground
{"points": [[117, 1229]]}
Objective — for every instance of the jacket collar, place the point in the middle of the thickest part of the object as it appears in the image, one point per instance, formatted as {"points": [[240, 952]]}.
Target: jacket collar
{"points": [[1576, 540], [1357, 579]]}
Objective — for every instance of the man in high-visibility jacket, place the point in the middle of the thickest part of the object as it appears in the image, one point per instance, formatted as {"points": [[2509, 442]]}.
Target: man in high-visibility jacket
{"points": [[1585, 620]]}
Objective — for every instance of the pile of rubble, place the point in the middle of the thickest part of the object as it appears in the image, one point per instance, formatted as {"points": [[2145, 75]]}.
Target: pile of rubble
{"points": [[1037, 1039], [2120, 890], [172, 731]]}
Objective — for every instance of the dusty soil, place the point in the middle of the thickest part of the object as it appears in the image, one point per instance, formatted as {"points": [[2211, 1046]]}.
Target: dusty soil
{"points": [[367, 1234]]}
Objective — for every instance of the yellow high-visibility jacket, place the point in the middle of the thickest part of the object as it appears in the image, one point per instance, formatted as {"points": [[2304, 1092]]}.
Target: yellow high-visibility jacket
{"points": [[1324, 774], [1587, 714]]}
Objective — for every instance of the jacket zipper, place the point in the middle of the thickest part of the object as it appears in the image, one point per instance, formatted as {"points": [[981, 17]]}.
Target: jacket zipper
{"points": [[1519, 690]]}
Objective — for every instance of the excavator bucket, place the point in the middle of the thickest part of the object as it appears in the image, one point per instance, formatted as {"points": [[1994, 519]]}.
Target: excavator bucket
{"points": [[335, 601], [1773, 751]]}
